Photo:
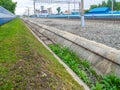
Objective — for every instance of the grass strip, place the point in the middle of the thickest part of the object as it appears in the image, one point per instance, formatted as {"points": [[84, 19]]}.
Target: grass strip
{"points": [[25, 64]]}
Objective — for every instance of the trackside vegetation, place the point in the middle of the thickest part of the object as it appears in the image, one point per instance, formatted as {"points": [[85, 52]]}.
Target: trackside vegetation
{"points": [[25, 64], [83, 69]]}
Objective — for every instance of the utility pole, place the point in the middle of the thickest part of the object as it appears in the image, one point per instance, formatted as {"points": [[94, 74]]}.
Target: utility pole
{"points": [[82, 13], [74, 5], [68, 9], [34, 6], [28, 12], [112, 6]]}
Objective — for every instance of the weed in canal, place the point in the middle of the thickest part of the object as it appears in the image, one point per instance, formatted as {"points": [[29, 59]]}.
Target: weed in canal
{"points": [[84, 70]]}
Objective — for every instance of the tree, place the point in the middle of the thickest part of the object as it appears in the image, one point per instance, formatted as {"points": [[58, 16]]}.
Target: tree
{"points": [[8, 4], [108, 4], [115, 5], [93, 6], [58, 9], [104, 4], [118, 6], [99, 5]]}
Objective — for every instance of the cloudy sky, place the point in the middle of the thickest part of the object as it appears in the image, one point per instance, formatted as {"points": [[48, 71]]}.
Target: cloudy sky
{"points": [[23, 4]]}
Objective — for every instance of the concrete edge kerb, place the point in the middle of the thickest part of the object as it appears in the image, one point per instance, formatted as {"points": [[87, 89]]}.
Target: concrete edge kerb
{"points": [[107, 52], [76, 78]]}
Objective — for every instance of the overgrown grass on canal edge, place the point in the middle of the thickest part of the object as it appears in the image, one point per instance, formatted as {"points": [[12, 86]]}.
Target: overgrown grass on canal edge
{"points": [[83, 69], [26, 64]]}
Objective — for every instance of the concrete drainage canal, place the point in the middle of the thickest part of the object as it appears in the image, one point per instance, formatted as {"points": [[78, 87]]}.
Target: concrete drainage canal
{"points": [[102, 58]]}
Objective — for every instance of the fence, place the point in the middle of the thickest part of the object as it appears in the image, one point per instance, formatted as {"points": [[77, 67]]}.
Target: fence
{"points": [[5, 15]]}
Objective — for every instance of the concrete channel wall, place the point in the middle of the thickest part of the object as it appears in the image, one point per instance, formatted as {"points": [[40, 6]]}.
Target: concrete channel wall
{"points": [[104, 59]]}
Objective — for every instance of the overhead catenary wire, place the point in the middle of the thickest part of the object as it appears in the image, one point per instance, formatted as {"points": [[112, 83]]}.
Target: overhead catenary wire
{"points": [[67, 2]]}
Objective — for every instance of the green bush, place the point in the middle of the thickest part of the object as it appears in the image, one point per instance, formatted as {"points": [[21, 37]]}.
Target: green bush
{"points": [[111, 82], [74, 62], [98, 86], [83, 69]]}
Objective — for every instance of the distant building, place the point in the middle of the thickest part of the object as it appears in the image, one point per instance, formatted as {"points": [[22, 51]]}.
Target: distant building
{"points": [[99, 10], [49, 10], [44, 11], [75, 12], [42, 8], [66, 12]]}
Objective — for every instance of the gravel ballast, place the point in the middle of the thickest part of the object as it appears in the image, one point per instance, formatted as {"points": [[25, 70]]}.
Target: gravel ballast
{"points": [[106, 32]]}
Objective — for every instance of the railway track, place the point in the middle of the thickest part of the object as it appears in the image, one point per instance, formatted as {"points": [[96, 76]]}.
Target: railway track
{"points": [[36, 30], [102, 58]]}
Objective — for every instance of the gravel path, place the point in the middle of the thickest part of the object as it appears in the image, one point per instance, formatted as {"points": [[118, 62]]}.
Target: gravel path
{"points": [[106, 32]]}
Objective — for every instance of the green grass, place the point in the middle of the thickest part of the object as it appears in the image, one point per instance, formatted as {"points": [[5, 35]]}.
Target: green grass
{"points": [[26, 64], [83, 69], [79, 66]]}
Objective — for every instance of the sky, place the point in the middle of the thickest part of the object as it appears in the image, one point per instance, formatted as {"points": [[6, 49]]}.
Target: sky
{"points": [[22, 5]]}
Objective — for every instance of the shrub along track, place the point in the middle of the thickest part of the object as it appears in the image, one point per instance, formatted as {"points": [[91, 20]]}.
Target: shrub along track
{"points": [[26, 64]]}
